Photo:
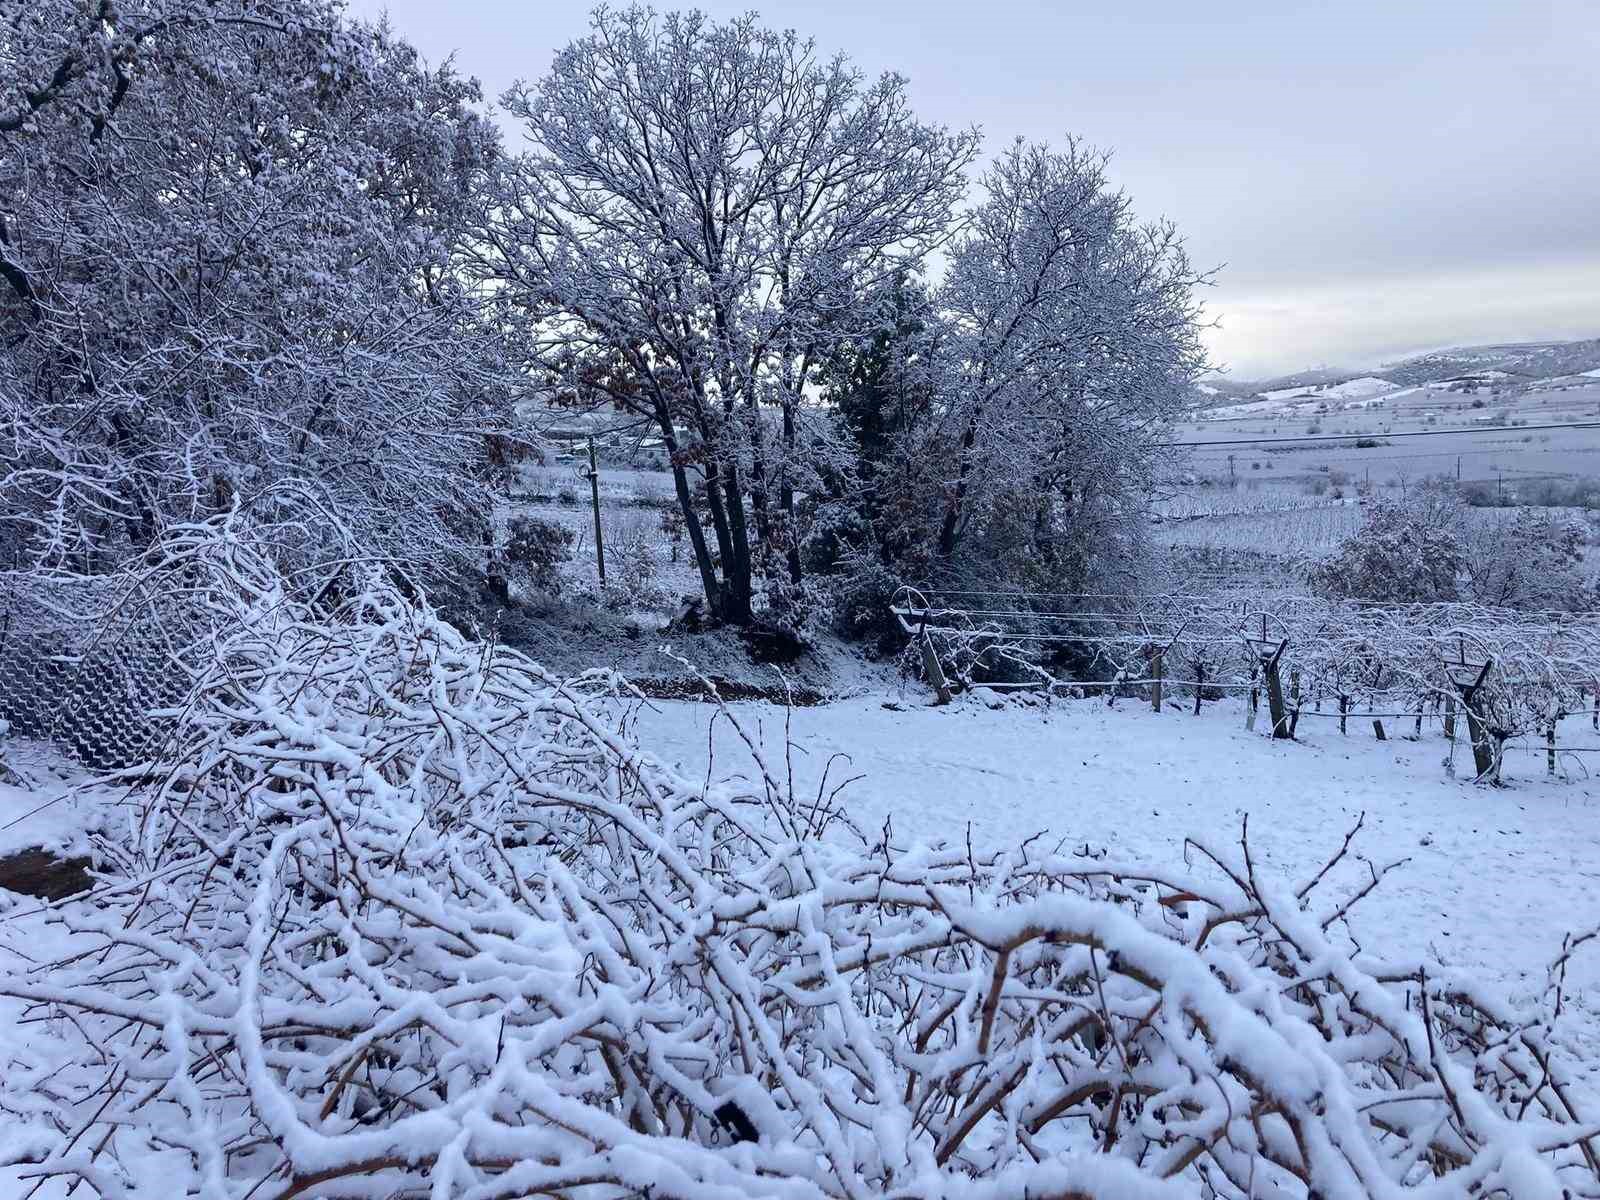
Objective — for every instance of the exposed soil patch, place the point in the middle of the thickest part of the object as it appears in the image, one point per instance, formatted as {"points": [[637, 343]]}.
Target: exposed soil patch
{"points": [[42, 874]]}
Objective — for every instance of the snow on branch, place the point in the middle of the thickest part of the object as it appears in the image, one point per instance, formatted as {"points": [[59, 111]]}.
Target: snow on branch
{"points": [[411, 917]]}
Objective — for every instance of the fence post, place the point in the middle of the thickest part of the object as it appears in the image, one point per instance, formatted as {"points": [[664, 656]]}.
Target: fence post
{"points": [[1478, 731], [1280, 719], [1344, 710], [1550, 747], [1450, 719], [1377, 728], [930, 664], [594, 498], [1199, 685], [1155, 674]]}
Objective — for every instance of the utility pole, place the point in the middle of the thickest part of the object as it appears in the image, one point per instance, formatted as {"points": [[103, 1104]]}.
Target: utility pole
{"points": [[594, 497]]}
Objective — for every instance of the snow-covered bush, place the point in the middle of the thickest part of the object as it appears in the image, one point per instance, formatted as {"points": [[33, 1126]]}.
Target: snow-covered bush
{"points": [[400, 914], [533, 553], [1406, 552], [229, 240], [1532, 561]]}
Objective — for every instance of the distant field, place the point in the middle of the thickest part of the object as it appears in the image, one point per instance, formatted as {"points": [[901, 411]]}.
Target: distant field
{"points": [[1480, 451]]}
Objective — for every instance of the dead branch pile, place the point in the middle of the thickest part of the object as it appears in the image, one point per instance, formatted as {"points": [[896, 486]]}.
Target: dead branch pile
{"points": [[404, 916]]}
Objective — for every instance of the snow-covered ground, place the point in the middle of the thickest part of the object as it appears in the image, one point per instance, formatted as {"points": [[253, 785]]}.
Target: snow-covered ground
{"points": [[1496, 877], [54, 812]]}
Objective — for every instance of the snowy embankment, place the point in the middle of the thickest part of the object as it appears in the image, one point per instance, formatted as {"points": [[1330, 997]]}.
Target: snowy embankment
{"points": [[1495, 877]]}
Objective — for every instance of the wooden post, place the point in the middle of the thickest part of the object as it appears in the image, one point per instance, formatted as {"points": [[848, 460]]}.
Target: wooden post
{"points": [[1482, 751], [1275, 706], [1199, 685], [935, 673], [1484, 757], [1155, 674], [1450, 719], [1550, 748], [1344, 709], [1295, 701], [1416, 734], [1377, 728], [594, 497]]}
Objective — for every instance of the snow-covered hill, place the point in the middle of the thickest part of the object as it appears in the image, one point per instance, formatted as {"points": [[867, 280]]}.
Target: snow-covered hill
{"points": [[1536, 365]]}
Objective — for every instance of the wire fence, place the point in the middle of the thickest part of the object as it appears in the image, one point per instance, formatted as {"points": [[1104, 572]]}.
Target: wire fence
{"points": [[89, 670], [1332, 659]]}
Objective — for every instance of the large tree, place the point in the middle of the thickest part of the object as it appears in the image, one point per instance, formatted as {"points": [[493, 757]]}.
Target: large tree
{"points": [[1068, 340], [228, 238], [707, 204]]}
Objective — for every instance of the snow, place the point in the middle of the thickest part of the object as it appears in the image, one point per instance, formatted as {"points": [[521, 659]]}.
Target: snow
{"points": [[55, 812], [1495, 877], [1364, 388]]}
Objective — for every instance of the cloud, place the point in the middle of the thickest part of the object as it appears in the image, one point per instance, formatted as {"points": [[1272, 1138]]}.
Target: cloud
{"points": [[1366, 323]]}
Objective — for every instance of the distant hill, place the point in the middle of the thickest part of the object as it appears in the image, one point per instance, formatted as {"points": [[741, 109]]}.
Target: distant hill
{"points": [[1510, 363], [1521, 360]]}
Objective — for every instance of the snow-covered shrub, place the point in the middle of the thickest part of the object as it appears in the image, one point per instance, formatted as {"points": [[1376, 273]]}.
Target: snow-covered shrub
{"points": [[408, 916], [1532, 561], [534, 551], [1405, 552], [230, 240]]}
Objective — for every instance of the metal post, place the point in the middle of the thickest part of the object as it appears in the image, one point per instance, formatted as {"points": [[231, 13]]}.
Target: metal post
{"points": [[594, 497]]}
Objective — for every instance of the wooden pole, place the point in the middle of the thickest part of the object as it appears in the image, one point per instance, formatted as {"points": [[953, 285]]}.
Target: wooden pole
{"points": [[1199, 685], [1450, 719], [1478, 731], [1550, 749], [930, 664], [1377, 728], [1275, 705], [594, 498], [1155, 674]]}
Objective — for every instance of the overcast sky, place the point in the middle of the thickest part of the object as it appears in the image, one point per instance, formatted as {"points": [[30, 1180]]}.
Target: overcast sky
{"points": [[1372, 177]]}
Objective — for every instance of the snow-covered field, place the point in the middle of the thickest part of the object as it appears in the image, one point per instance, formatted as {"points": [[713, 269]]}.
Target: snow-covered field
{"points": [[1496, 877]]}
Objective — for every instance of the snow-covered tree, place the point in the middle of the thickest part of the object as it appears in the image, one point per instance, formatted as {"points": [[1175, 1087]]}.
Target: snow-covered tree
{"points": [[1406, 552], [708, 203], [1075, 344], [1535, 560], [228, 238]]}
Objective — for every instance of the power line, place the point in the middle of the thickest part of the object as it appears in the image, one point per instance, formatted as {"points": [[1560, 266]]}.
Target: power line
{"points": [[1352, 437]]}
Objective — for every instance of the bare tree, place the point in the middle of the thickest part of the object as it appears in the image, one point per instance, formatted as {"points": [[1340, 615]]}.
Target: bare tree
{"points": [[702, 206], [228, 235], [1075, 342]]}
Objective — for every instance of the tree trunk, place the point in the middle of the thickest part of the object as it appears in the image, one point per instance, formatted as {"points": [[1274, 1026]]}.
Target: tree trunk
{"points": [[736, 585], [691, 522]]}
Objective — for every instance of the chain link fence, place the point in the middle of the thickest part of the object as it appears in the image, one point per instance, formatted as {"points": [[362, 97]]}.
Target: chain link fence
{"points": [[89, 670]]}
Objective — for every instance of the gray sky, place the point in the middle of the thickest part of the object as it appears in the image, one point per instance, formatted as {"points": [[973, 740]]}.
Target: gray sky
{"points": [[1374, 177]]}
